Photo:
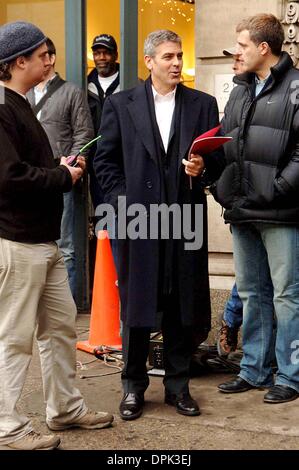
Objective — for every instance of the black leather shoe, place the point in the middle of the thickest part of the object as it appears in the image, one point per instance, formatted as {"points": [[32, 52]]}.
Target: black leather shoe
{"points": [[184, 403], [235, 386], [131, 406], [280, 394]]}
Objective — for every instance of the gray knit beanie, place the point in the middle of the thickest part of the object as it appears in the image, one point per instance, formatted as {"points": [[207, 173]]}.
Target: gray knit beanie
{"points": [[19, 38]]}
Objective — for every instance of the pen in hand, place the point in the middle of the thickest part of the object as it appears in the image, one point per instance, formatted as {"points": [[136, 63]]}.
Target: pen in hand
{"points": [[72, 160]]}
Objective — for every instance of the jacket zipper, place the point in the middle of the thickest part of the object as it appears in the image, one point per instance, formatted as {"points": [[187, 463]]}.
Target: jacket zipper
{"points": [[248, 119], [244, 135]]}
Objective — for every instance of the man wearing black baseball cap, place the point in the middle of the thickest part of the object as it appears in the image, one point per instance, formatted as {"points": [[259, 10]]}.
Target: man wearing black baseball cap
{"points": [[104, 40], [103, 80], [235, 54]]}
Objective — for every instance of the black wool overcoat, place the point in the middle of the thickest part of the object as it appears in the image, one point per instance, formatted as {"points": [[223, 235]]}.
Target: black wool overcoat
{"points": [[127, 164]]}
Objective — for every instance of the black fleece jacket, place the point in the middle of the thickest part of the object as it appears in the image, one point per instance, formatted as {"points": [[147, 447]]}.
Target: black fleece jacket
{"points": [[31, 186], [96, 101]]}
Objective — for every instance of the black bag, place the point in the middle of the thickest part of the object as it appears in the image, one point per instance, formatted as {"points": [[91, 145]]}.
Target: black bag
{"points": [[206, 360]]}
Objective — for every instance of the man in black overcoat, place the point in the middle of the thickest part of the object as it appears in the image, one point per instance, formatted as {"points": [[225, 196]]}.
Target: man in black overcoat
{"points": [[143, 156]]}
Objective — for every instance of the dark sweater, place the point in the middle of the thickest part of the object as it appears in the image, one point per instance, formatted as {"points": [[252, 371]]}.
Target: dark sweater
{"points": [[31, 186]]}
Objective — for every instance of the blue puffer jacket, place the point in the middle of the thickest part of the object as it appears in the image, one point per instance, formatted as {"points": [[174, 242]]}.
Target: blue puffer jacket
{"points": [[261, 178]]}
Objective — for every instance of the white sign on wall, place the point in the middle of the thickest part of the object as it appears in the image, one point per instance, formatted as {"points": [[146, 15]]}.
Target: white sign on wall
{"points": [[223, 87]]}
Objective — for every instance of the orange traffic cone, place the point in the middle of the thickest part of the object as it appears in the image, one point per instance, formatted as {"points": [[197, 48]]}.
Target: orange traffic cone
{"points": [[104, 322]]}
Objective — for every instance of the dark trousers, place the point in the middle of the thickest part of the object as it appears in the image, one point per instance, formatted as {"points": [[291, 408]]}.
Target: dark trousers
{"points": [[177, 344]]}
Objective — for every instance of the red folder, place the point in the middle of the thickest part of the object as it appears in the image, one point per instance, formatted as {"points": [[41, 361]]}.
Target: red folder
{"points": [[207, 142]]}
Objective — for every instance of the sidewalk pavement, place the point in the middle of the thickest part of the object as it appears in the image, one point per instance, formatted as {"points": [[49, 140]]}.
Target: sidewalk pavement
{"points": [[238, 421]]}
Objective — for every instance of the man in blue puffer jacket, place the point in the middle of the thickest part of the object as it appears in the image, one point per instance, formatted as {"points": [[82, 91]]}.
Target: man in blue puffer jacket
{"points": [[259, 190]]}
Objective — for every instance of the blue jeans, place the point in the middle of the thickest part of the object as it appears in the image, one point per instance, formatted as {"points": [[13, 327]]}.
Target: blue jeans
{"points": [[233, 311], [66, 241], [267, 260]]}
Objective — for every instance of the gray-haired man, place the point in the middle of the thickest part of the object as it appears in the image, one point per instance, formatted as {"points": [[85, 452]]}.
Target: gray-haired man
{"points": [[147, 133]]}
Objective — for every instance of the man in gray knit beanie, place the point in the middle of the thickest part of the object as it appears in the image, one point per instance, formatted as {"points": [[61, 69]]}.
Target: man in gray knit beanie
{"points": [[19, 38], [35, 297]]}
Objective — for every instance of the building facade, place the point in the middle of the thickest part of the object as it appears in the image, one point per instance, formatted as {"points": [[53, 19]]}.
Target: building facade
{"points": [[215, 30], [206, 27]]}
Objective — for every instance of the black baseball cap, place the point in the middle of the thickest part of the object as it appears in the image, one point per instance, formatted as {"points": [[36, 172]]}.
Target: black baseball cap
{"points": [[104, 40]]}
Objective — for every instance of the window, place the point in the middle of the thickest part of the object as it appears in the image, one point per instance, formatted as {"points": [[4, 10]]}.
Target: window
{"points": [[48, 15]]}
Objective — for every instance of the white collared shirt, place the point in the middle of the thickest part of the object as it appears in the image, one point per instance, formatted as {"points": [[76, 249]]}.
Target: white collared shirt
{"points": [[164, 108], [38, 93], [259, 84]]}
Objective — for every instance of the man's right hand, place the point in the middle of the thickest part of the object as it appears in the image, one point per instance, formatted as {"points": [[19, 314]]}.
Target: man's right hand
{"points": [[76, 172]]}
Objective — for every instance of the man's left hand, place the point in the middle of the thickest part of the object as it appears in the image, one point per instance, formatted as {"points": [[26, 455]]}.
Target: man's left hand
{"points": [[194, 166]]}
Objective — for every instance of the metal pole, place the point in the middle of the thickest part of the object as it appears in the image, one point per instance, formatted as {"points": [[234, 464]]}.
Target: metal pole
{"points": [[129, 43], [75, 36]]}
